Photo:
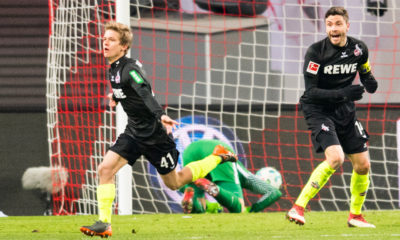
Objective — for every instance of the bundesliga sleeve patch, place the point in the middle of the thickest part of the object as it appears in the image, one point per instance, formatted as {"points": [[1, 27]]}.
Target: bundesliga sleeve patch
{"points": [[313, 67], [136, 76]]}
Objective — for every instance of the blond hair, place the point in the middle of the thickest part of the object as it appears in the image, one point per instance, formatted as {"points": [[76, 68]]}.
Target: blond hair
{"points": [[125, 34]]}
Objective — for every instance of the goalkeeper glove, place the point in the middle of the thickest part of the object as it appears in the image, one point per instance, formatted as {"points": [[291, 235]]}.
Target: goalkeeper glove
{"points": [[353, 92], [369, 82]]}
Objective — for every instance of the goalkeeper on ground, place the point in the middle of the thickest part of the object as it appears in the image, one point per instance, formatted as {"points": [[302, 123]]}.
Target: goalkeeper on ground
{"points": [[225, 183]]}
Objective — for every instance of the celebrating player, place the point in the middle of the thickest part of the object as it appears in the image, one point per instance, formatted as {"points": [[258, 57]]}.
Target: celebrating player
{"points": [[224, 183], [330, 67], [147, 133]]}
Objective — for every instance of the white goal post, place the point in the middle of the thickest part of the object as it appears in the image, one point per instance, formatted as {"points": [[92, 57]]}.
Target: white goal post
{"points": [[124, 175]]}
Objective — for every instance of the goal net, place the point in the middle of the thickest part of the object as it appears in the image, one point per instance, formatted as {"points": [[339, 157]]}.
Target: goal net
{"points": [[230, 73]]}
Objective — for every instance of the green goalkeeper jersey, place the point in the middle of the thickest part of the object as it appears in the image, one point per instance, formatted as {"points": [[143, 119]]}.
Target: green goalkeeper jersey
{"points": [[203, 148]]}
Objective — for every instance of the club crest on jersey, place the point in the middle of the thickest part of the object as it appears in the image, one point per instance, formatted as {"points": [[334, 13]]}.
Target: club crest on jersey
{"points": [[118, 78], [313, 67], [357, 51], [325, 128]]}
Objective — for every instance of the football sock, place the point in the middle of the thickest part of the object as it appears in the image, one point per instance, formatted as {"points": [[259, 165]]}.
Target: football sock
{"points": [[197, 206], [105, 198], [358, 188], [202, 167], [318, 179], [266, 200], [229, 200]]}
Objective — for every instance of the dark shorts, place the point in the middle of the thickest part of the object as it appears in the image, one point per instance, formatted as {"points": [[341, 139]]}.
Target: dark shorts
{"points": [[163, 156], [336, 126]]}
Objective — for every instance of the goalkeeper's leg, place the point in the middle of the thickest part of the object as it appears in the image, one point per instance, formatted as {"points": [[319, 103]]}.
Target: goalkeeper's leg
{"points": [[228, 194], [193, 199]]}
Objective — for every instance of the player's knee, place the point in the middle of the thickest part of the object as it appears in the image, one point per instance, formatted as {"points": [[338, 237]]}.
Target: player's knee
{"points": [[103, 171], [100, 169], [173, 186], [174, 180], [362, 168], [335, 160]]}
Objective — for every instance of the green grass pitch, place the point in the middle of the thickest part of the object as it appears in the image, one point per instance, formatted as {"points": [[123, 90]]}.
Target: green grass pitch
{"points": [[320, 225]]}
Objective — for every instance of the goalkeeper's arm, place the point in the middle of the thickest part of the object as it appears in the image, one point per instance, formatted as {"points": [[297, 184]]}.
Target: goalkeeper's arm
{"points": [[251, 182]]}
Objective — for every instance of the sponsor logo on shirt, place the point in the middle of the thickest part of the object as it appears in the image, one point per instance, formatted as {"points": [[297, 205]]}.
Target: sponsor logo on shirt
{"points": [[325, 128], [340, 68], [344, 55], [313, 67], [136, 77], [118, 93]]}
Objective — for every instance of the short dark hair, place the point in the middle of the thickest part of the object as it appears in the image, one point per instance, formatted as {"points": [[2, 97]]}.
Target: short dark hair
{"points": [[337, 11]]}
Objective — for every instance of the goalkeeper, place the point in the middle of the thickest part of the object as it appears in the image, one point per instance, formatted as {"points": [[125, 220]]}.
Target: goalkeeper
{"points": [[330, 67], [224, 183]]}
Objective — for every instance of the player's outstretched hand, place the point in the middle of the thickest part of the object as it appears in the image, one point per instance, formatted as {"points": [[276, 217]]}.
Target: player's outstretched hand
{"points": [[112, 102], [168, 123], [353, 92]]}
